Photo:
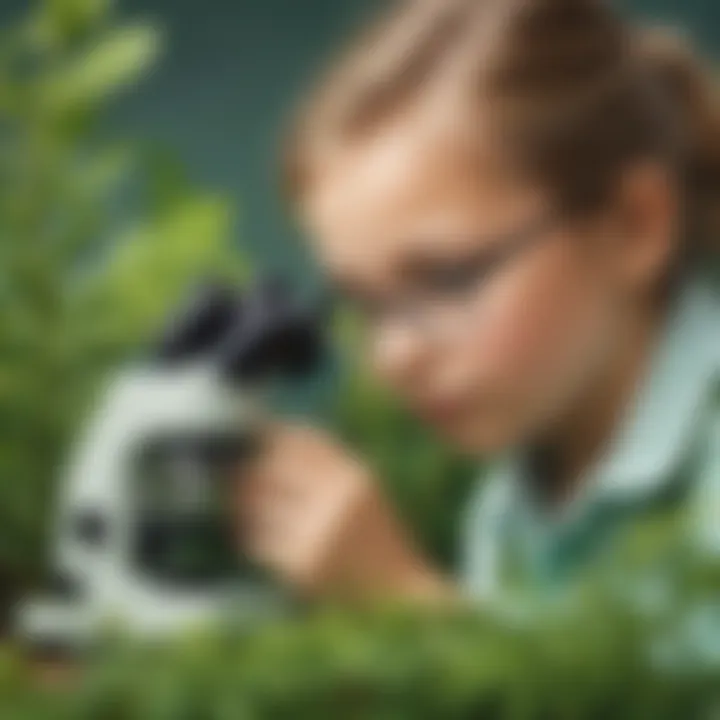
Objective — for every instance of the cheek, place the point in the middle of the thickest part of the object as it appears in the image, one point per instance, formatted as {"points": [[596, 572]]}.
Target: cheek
{"points": [[533, 316], [541, 330]]}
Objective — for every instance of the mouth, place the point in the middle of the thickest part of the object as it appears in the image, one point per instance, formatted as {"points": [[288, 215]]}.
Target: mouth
{"points": [[443, 412]]}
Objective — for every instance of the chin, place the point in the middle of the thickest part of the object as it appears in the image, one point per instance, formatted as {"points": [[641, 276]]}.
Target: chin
{"points": [[479, 438]]}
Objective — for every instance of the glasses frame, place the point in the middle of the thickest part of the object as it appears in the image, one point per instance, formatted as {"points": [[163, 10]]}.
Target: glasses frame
{"points": [[488, 261]]}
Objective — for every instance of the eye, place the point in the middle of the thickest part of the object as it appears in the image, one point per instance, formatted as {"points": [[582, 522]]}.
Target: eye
{"points": [[454, 277]]}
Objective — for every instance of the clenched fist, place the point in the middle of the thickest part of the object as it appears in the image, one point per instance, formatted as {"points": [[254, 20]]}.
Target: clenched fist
{"points": [[311, 512]]}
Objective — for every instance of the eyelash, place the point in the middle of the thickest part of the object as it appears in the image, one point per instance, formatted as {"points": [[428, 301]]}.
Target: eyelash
{"points": [[457, 277]]}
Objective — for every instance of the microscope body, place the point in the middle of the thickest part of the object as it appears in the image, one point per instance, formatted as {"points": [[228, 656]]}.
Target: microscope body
{"points": [[145, 538]]}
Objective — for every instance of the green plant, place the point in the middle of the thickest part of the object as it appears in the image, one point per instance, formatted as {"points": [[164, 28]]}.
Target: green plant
{"points": [[427, 481], [601, 652], [87, 267]]}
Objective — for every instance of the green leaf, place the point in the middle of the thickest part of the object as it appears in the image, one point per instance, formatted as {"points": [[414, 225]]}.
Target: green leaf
{"points": [[85, 12], [114, 63], [56, 24], [152, 264], [100, 174]]}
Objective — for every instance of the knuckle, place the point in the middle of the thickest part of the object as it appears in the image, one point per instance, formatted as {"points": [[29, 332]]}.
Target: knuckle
{"points": [[357, 487]]}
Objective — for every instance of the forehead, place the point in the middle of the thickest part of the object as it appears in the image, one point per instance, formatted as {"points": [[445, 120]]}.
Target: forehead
{"points": [[415, 186]]}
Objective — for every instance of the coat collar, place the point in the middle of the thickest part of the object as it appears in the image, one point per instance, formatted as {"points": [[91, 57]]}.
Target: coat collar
{"points": [[662, 423], [663, 420]]}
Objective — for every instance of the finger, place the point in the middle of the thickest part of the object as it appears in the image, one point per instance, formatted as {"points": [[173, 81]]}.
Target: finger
{"points": [[297, 441], [269, 536], [304, 454], [280, 480], [272, 520], [282, 551]]}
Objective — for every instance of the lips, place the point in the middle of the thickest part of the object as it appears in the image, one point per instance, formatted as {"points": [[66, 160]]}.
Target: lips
{"points": [[443, 412]]}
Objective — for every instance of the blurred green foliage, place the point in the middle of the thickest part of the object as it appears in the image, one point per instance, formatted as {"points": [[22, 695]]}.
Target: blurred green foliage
{"points": [[97, 238], [604, 651], [427, 482]]}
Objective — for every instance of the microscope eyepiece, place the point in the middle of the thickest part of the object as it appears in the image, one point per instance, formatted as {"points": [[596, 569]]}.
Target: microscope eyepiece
{"points": [[261, 332], [276, 335], [205, 318]]}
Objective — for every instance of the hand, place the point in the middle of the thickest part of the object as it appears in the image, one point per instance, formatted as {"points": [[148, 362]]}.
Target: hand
{"points": [[313, 514]]}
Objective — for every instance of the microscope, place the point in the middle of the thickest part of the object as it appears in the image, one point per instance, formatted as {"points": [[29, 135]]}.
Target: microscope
{"points": [[145, 537]]}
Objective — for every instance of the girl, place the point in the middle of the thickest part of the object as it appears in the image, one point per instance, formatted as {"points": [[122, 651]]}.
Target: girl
{"points": [[518, 198]]}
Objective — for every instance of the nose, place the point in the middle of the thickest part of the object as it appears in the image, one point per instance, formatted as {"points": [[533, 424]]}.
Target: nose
{"points": [[399, 355]]}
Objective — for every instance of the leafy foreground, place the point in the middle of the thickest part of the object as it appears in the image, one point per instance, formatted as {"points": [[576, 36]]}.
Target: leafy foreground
{"points": [[649, 647]]}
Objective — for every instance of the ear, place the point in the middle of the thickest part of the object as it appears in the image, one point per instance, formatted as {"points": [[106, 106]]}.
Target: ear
{"points": [[649, 215]]}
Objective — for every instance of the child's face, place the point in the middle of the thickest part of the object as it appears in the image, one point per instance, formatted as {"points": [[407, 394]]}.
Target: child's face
{"points": [[402, 222]]}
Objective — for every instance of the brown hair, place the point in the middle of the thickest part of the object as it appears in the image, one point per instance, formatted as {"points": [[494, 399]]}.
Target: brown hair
{"points": [[576, 92]]}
